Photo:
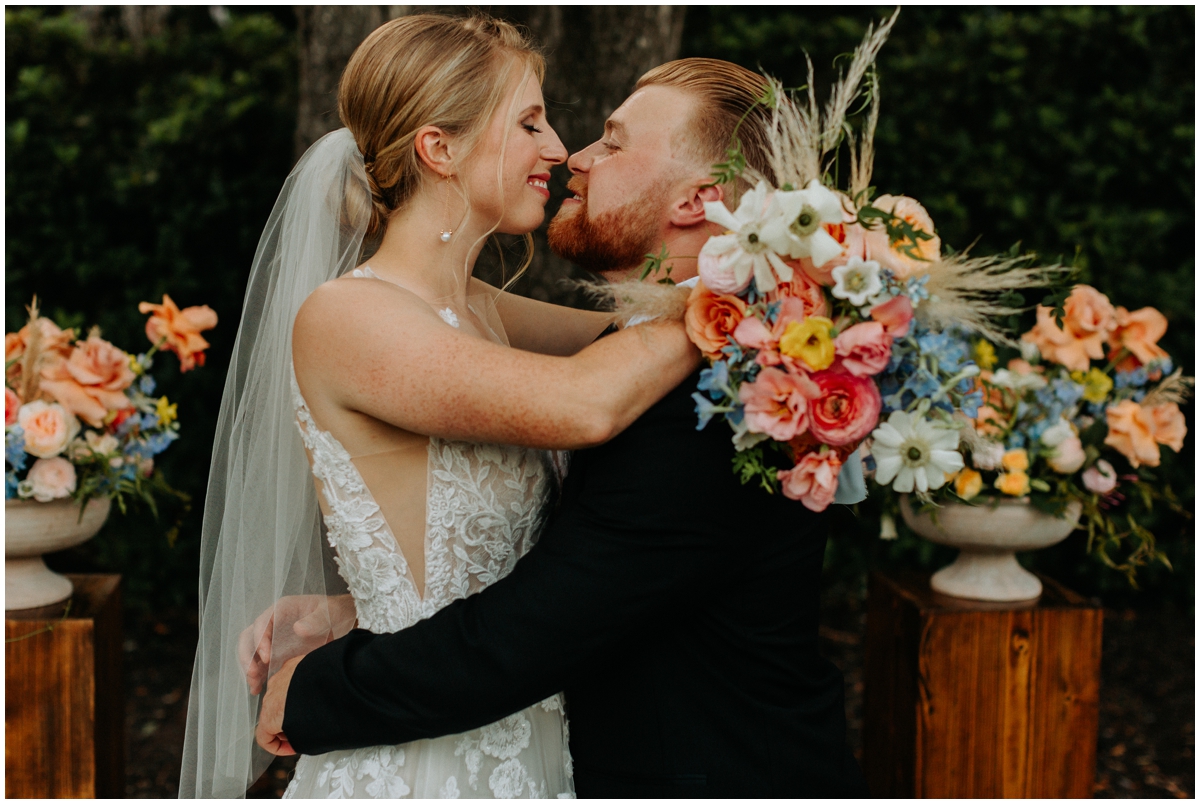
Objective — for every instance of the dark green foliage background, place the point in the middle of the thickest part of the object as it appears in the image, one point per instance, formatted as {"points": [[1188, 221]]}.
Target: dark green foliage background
{"points": [[135, 170]]}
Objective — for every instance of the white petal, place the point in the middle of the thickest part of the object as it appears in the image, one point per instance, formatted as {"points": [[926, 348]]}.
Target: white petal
{"points": [[781, 268], [788, 204], [904, 480], [823, 247], [825, 201], [716, 212], [886, 468], [944, 438], [764, 277], [720, 245], [742, 267], [886, 435], [936, 479], [921, 479], [776, 235], [948, 462]]}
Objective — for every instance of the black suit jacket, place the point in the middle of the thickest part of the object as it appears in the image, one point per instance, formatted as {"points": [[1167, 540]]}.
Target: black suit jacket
{"points": [[676, 607]]}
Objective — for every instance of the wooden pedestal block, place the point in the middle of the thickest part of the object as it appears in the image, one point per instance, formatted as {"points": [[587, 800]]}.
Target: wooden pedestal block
{"points": [[965, 699], [64, 718]]}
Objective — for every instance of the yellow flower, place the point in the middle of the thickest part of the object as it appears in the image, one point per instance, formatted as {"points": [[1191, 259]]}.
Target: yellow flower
{"points": [[1015, 460], [1014, 484], [811, 342], [985, 355], [968, 484], [166, 412], [1096, 384]]}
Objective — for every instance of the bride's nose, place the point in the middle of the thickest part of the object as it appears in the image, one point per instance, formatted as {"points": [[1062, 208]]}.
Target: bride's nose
{"points": [[553, 151]]}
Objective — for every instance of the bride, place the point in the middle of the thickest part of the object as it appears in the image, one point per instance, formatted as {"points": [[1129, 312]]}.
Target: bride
{"points": [[411, 407]]}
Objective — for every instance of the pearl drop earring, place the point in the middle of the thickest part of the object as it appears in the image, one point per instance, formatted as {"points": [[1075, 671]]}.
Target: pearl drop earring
{"points": [[447, 232]]}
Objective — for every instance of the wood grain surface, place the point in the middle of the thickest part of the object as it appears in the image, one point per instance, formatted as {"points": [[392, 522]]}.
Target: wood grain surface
{"points": [[64, 707], [965, 699]]}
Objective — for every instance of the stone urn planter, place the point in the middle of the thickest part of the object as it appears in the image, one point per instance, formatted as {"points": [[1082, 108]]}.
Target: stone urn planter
{"points": [[32, 529], [988, 536]]}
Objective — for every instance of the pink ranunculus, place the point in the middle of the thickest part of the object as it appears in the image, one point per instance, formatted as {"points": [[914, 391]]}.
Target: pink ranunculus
{"points": [[12, 404], [718, 275], [51, 479], [846, 409], [814, 480], [864, 349], [1100, 477], [776, 404], [752, 333], [895, 315]]}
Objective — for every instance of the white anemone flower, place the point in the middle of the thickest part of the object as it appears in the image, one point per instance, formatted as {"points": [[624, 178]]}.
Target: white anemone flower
{"points": [[857, 280], [745, 251], [797, 231], [914, 452]]}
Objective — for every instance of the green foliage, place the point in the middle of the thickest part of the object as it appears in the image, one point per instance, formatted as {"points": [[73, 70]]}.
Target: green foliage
{"points": [[1068, 129], [751, 464], [136, 169]]}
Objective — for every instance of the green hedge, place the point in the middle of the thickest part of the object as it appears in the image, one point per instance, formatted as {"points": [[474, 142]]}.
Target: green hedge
{"points": [[138, 169]]}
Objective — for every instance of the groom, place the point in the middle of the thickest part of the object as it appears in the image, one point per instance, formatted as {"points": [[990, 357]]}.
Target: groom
{"points": [[675, 606]]}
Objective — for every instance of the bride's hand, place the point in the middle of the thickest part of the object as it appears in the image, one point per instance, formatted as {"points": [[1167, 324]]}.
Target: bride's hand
{"points": [[314, 620], [269, 732]]}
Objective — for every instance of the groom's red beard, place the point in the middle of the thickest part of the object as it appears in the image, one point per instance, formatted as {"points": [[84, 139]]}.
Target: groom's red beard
{"points": [[618, 239]]}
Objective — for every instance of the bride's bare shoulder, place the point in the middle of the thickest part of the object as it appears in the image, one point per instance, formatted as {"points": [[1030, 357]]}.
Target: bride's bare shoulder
{"points": [[352, 303]]}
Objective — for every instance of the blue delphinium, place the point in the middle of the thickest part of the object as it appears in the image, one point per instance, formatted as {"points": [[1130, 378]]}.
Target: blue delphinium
{"points": [[146, 384], [14, 448]]}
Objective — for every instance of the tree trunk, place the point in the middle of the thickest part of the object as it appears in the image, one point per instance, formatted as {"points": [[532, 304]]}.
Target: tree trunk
{"points": [[594, 56], [328, 36]]}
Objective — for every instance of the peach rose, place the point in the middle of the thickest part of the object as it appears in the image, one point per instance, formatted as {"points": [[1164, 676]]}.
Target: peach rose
{"points": [[865, 349], [903, 258], [1089, 312], [1169, 425], [895, 315], [51, 479], [92, 381], [711, 319], [776, 404], [48, 428], [1139, 332], [1088, 319], [814, 480], [846, 409], [807, 290], [1131, 433], [180, 329], [12, 404]]}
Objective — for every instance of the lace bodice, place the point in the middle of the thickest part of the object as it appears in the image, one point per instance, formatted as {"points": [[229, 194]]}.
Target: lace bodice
{"points": [[485, 505]]}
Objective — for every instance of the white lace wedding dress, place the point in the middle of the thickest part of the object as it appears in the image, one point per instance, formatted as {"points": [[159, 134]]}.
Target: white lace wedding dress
{"points": [[484, 509]]}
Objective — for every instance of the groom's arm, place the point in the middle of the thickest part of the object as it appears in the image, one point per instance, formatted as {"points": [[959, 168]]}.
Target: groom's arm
{"points": [[648, 529]]}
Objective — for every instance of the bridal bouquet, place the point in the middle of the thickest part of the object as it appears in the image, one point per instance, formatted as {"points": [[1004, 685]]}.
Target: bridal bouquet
{"points": [[824, 312], [80, 416], [1082, 415]]}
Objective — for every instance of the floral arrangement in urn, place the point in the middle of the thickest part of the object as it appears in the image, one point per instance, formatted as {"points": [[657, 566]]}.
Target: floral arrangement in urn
{"points": [[81, 419], [1082, 415]]}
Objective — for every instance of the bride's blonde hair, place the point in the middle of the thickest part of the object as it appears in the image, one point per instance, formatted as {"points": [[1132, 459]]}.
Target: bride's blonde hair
{"points": [[425, 70]]}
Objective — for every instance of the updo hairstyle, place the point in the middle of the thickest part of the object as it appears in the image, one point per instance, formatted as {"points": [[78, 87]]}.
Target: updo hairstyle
{"points": [[425, 70]]}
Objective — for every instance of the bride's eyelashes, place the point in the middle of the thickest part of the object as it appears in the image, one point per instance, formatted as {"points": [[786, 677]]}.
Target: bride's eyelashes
{"points": [[532, 129]]}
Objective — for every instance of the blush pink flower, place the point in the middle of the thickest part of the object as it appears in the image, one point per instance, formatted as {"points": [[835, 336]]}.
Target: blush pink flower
{"points": [[846, 409], [864, 349], [895, 315], [752, 333], [776, 404], [1100, 477], [48, 428], [51, 479], [814, 480]]}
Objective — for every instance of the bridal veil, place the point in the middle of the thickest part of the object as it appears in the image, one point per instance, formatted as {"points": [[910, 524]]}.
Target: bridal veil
{"points": [[261, 537]]}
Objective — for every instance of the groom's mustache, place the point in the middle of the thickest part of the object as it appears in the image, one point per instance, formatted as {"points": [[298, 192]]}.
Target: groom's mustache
{"points": [[579, 187]]}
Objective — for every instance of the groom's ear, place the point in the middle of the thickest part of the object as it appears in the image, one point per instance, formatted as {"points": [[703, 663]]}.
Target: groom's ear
{"points": [[689, 210], [435, 150]]}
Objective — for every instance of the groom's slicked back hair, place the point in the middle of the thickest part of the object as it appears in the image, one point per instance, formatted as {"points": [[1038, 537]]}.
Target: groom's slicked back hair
{"points": [[727, 94]]}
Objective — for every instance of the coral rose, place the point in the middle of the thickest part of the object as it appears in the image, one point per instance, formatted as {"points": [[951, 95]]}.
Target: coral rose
{"points": [[1138, 332], [807, 290], [846, 410], [92, 381], [1169, 425], [776, 404], [1131, 433], [895, 315], [12, 404], [179, 330], [48, 428], [711, 318], [51, 479], [903, 258], [865, 349], [814, 480]]}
